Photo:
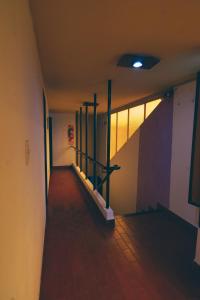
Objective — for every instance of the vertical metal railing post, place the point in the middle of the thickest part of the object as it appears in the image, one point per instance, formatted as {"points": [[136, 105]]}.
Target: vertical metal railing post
{"points": [[95, 142], [108, 144], [77, 138], [80, 124], [86, 141]]}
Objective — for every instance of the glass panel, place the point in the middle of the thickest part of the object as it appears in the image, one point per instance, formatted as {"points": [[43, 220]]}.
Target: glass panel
{"points": [[122, 128], [113, 138], [136, 118], [150, 106]]}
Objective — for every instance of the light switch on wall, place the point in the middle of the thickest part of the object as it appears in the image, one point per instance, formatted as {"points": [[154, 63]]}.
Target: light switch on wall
{"points": [[27, 152]]}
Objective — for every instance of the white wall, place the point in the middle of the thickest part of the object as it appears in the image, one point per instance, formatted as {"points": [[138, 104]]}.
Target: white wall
{"points": [[22, 192], [123, 191], [62, 153], [183, 116]]}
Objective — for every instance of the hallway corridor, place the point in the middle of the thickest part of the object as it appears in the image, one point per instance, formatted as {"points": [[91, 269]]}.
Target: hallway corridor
{"points": [[147, 257]]}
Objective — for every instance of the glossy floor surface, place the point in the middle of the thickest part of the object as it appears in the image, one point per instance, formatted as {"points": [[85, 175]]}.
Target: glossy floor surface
{"points": [[145, 257]]}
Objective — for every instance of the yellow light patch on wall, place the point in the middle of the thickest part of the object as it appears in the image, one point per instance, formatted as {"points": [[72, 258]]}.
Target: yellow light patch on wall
{"points": [[125, 123], [150, 106], [113, 138], [136, 118], [122, 128]]}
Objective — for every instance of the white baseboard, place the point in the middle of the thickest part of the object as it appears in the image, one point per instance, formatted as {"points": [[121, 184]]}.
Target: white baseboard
{"points": [[98, 199]]}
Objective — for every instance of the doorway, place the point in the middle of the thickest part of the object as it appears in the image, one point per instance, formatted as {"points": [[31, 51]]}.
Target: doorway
{"points": [[50, 143], [45, 145]]}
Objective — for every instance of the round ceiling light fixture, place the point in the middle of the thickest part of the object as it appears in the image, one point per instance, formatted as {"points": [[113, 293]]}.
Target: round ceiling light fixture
{"points": [[137, 65], [138, 61]]}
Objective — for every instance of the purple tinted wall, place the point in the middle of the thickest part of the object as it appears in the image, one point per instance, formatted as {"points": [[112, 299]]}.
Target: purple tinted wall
{"points": [[155, 157]]}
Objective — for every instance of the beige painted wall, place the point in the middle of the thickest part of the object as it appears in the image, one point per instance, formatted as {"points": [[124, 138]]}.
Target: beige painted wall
{"points": [[181, 153], [123, 191], [62, 153], [22, 214]]}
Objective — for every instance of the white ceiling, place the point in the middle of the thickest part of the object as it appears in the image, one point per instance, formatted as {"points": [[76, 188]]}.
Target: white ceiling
{"points": [[80, 43]]}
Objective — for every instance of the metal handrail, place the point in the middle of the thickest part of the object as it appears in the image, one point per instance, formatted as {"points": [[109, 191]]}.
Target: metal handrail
{"points": [[108, 170], [89, 157], [113, 167]]}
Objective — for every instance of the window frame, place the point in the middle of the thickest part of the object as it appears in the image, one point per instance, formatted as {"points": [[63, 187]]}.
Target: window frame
{"points": [[128, 118]]}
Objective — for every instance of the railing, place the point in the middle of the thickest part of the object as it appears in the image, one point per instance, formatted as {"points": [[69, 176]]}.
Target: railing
{"points": [[108, 172], [108, 169]]}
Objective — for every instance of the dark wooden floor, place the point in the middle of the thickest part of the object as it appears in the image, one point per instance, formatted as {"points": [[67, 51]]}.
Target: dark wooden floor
{"points": [[147, 257]]}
